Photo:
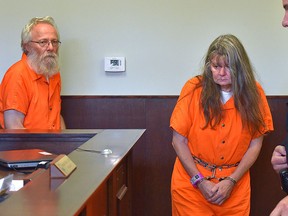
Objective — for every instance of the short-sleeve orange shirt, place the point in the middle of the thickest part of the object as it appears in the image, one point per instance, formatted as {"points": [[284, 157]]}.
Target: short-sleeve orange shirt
{"points": [[229, 141], [24, 90]]}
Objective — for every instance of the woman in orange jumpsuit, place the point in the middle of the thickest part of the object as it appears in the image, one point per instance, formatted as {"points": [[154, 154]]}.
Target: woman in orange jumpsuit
{"points": [[218, 126]]}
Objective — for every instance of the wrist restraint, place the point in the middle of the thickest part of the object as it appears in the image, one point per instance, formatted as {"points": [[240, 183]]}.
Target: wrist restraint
{"points": [[196, 179]]}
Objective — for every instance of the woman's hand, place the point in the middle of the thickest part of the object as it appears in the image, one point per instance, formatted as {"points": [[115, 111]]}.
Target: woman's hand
{"points": [[216, 193], [206, 188]]}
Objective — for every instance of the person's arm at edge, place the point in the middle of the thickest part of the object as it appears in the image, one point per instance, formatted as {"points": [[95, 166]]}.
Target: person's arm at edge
{"points": [[13, 119], [281, 208]]}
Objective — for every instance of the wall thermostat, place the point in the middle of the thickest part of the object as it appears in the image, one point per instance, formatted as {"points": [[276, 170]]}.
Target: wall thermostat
{"points": [[115, 64]]}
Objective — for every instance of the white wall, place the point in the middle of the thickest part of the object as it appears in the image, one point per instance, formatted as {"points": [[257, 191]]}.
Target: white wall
{"points": [[163, 41]]}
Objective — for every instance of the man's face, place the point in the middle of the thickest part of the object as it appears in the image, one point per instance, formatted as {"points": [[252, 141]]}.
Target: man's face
{"points": [[285, 18], [43, 49]]}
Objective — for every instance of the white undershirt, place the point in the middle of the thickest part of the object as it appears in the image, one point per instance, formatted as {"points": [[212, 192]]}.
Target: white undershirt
{"points": [[225, 96]]}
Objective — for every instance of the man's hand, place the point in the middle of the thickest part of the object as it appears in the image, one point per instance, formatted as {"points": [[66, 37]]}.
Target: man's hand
{"points": [[278, 159]]}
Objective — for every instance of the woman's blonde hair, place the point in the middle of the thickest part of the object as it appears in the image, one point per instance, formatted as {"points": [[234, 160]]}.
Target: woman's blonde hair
{"points": [[244, 88]]}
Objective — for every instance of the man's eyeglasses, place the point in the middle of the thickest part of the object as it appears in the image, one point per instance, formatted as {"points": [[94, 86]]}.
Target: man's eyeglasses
{"points": [[45, 43]]}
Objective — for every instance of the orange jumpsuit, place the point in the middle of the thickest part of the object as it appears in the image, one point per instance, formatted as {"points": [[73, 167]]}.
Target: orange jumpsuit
{"points": [[225, 145], [24, 90]]}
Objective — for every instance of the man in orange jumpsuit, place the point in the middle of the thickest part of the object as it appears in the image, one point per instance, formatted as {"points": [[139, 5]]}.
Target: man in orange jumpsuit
{"points": [[30, 89], [216, 141]]}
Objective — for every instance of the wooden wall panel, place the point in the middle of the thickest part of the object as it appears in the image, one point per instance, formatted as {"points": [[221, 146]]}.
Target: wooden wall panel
{"points": [[160, 155], [153, 158], [88, 112]]}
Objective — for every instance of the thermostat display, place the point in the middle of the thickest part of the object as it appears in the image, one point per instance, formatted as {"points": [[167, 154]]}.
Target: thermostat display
{"points": [[115, 64]]}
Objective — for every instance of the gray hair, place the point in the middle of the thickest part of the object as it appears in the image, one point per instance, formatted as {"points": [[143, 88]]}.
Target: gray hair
{"points": [[26, 32], [244, 86]]}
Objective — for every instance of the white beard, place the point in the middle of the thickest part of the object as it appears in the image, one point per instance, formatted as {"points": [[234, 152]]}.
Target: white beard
{"points": [[45, 64]]}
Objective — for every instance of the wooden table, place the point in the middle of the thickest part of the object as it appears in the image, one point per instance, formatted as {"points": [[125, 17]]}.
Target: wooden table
{"points": [[100, 185]]}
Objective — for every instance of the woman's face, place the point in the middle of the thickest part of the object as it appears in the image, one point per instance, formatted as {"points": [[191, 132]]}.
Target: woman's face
{"points": [[221, 72]]}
